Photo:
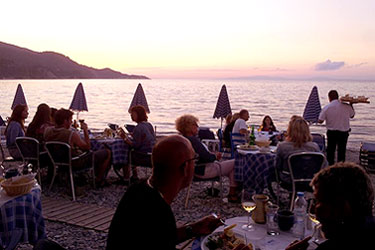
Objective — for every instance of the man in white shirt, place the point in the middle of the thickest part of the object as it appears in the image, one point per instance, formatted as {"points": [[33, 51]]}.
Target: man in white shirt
{"points": [[337, 116], [240, 124]]}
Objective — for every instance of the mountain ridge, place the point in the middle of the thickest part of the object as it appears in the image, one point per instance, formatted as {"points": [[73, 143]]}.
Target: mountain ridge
{"points": [[22, 63]]}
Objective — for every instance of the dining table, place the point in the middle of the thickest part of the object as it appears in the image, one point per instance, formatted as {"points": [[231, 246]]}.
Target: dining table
{"points": [[253, 168], [119, 148], [21, 218], [258, 238]]}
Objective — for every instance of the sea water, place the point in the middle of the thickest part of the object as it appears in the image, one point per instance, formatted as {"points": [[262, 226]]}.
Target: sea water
{"points": [[108, 101]]}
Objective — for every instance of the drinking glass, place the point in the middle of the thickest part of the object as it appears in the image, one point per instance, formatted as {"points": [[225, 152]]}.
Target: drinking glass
{"points": [[249, 205], [317, 236]]}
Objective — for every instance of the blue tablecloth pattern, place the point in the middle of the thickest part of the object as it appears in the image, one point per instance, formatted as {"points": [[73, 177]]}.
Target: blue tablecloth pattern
{"points": [[23, 213], [253, 170], [118, 147]]}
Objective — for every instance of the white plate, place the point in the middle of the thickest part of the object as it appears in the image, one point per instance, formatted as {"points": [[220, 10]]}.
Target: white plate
{"points": [[205, 240], [247, 148]]}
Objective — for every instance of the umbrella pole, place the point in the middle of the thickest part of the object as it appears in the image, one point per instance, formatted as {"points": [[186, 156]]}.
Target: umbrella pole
{"points": [[221, 124]]}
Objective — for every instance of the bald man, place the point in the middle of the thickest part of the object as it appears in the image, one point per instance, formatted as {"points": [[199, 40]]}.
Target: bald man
{"points": [[144, 219]]}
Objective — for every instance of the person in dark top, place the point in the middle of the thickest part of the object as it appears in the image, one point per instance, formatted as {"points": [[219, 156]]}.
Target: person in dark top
{"points": [[344, 199], [228, 129], [143, 218], [267, 124], [142, 141], [16, 128], [211, 165]]}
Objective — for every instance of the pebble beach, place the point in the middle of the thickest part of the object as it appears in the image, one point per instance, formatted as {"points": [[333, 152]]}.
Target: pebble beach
{"points": [[74, 237]]}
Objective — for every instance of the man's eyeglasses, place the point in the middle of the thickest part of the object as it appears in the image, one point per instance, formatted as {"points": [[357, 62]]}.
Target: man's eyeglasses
{"points": [[196, 157]]}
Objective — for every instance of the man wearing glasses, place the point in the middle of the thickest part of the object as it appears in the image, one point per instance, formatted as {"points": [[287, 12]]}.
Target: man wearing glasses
{"points": [[144, 219]]}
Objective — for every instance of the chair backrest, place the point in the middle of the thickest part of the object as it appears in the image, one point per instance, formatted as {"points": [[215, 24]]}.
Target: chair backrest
{"points": [[2, 122], [367, 156], [129, 128], [59, 152], [140, 159], [236, 139], [302, 167], [320, 140], [28, 148], [205, 133]]}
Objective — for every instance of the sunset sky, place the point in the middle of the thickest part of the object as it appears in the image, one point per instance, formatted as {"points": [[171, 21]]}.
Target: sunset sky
{"points": [[202, 39]]}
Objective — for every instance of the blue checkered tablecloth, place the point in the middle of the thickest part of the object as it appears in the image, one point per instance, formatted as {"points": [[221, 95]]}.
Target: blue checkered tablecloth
{"points": [[22, 214], [119, 149], [253, 170]]}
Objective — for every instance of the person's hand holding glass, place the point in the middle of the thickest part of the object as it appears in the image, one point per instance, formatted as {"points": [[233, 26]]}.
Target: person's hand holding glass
{"points": [[249, 205]]}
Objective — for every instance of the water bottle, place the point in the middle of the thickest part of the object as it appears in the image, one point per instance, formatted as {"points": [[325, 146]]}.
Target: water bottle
{"points": [[300, 213]]}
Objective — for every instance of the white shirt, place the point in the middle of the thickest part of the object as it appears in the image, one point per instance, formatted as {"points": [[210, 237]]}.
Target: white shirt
{"points": [[337, 115], [238, 125]]}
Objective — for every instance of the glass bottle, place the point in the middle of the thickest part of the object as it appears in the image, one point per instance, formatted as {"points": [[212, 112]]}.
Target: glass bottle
{"points": [[252, 136]]}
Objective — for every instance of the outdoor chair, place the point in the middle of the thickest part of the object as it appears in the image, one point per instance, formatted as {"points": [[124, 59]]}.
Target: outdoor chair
{"points": [[140, 159], [320, 140], [200, 180], [205, 133], [2, 122], [5, 159], [302, 168], [367, 157], [29, 150], [236, 139], [61, 156], [129, 128]]}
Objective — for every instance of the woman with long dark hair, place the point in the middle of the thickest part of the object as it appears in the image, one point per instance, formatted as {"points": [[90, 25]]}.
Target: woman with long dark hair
{"points": [[40, 122], [16, 128]]}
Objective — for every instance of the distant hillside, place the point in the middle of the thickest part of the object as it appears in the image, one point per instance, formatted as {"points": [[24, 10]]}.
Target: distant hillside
{"points": [[21, 63]]}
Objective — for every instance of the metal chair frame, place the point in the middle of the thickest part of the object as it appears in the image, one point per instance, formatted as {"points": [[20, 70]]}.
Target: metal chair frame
{"points": [[236, 139], [320, 140], [132, 164], [66, 163], [367, 157], [200, 180], [29, 150], [5, 159], [304, 176]]}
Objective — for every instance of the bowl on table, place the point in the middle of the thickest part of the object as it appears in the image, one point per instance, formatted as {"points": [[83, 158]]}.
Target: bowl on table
{"points": [[263, 143], [18, 185]]}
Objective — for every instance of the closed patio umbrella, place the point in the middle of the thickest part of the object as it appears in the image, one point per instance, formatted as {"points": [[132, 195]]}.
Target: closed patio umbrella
{"points": [[222, 105], [79, 100], [139, 98], [19, 98], [313, 108]]}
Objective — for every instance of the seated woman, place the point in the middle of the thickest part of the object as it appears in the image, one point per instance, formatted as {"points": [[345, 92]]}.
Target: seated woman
{"points": [[298, 139], [16, 128], [40, 122], [228, 130], [187, 125], [267, 124], [143, 139]]}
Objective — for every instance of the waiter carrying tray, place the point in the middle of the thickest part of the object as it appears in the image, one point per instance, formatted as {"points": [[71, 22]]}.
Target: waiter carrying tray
{"points": [[337, 116]]}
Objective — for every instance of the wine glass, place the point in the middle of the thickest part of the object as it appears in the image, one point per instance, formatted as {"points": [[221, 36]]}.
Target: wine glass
{"points": [[317, 236], [249, 205]]}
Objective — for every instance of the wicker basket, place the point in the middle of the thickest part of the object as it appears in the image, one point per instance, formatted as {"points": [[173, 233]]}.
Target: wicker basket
{"points": [[17, 189], [262, 143]]}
